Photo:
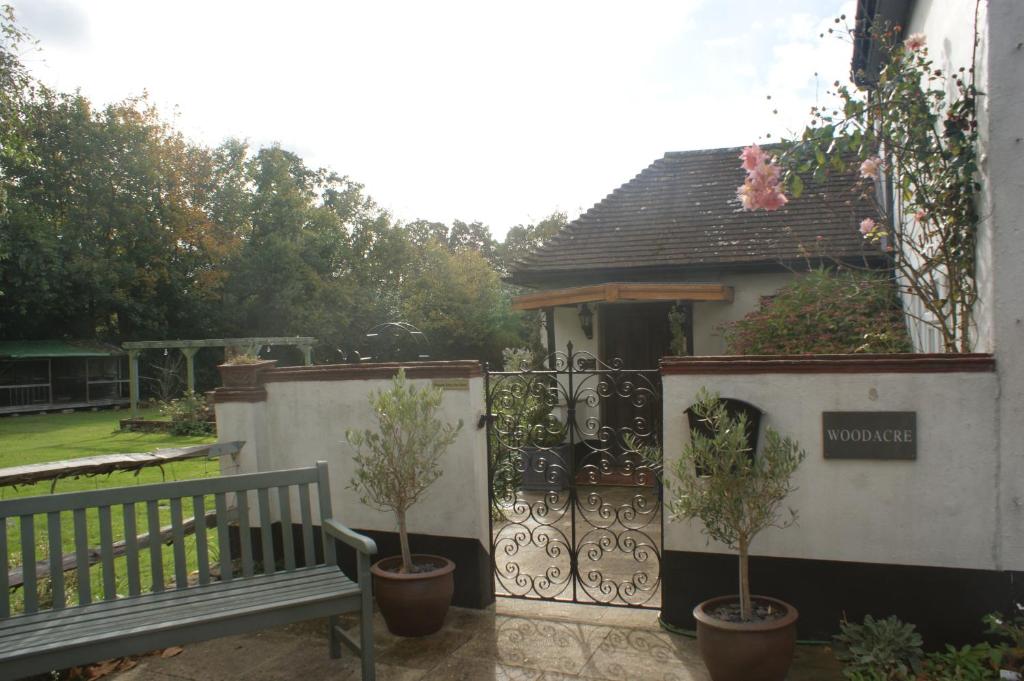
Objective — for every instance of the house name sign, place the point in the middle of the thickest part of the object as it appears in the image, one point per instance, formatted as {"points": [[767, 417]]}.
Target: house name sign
{"points": [[869, 434]]}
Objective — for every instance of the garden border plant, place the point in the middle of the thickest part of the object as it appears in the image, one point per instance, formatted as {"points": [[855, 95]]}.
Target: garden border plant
{"points": [[917, 153]]}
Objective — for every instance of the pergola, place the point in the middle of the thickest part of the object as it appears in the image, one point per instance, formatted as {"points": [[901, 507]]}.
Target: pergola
{"points": [[189, 348]]}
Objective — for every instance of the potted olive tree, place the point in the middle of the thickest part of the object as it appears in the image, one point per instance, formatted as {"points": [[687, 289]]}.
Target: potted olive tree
{"points": [[395, 464], [741, 637]]}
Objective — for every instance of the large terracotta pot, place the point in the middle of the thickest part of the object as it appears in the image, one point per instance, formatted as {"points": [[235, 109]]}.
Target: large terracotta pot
{"points": [[413, 604], [746, 651]]}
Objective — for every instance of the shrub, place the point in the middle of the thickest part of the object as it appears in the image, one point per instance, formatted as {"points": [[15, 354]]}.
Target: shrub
{"points": [[827, 312], [189, 415], [397, 462], [886, 650]]}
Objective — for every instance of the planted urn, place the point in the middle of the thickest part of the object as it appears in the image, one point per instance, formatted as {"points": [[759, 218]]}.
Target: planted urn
{"points": [[736, 493], [395, 465]]}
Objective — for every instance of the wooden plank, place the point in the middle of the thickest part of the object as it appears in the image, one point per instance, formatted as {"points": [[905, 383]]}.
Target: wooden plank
{"points": [[156, 492], [626, 291], [202, 551], [178, 540], [323, 486], [56, 573], [156, 561], [219, 342], [307, 526], [82, 557], [5, 592], [107, 554], [28, 561], [131, 549], [266, 533], [155, 608], [285, 503], [223, 537], [109, 463], [245, 536]]}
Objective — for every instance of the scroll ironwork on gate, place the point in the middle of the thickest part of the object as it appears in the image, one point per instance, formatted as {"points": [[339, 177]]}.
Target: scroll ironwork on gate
{"points": [[574, 460]]}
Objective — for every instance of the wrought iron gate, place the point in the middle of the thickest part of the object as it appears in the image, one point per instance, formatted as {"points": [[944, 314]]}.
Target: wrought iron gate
{"points": [[574, 457]]}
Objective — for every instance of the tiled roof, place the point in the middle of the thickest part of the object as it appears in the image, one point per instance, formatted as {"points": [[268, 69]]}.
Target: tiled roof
{"points": [[681, 213]]}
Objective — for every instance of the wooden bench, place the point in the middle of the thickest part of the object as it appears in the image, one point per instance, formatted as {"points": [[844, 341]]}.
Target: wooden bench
{"points": [[44, 636]]}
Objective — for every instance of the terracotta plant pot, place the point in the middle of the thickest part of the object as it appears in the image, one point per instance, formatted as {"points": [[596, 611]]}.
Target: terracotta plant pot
{"points": [[413, 604], [243, 375], [746, 651]]}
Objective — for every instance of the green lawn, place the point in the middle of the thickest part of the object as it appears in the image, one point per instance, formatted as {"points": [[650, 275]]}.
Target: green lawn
{"points": [[51, 437]]}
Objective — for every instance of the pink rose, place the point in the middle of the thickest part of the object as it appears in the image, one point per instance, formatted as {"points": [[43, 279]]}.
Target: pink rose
{"points": [[867, 226], [870, 167], [915, 42]]}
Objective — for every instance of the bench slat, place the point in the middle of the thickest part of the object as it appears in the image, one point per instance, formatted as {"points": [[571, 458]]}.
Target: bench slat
{"points": [[202, 552], [178, 538], [285, 502], [245, 536], [28, 562], [107, 554], [157, 492], [159, 606], [82, 557], [53, 532], [223, 537], [307, 526], [266, 533], [5, 592], [156, 560], [98, 620], [131, 544]]}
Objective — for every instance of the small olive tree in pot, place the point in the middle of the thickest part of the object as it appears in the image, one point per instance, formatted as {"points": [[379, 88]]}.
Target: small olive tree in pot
{"points": [[736, 493], [395, 464]]}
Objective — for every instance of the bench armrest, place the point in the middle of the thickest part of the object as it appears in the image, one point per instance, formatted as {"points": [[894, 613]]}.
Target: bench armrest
{"points": [[359, 542]]}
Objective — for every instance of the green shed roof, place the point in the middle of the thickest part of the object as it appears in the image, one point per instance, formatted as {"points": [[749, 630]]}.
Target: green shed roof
{"points": [[42, 349]]}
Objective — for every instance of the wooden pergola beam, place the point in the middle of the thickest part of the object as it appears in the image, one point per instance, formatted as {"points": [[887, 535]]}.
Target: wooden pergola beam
{"points": [[299, 341], [624, 292]]}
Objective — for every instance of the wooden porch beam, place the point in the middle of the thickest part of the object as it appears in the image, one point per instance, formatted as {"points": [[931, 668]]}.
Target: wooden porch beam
{"points": [[626, 292]]}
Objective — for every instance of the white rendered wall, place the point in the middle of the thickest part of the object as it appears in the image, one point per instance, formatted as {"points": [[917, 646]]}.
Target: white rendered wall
{"points": [[302, 422], [941, 509], [747, 291], [948, 26], [999, 316], [707, 317]]}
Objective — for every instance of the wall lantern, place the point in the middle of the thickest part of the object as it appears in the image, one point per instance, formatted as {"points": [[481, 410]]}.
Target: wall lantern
{"points": [[587, 320]]}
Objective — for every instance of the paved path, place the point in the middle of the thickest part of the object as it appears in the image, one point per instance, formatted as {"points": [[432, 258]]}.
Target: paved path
{"points": [[512, 641]]}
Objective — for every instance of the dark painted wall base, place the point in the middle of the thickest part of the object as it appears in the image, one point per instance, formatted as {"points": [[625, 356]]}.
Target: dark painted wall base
{"points": [[946, 604], [473, 586]]}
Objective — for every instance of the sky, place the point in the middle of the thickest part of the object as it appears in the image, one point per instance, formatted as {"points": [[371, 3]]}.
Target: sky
{"points": [[445, 110]]}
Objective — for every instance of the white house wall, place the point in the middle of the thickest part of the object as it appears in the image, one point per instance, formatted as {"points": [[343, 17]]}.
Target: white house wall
{"points": [[707, 317], [941, 509], [748, 290], [302, 422]]}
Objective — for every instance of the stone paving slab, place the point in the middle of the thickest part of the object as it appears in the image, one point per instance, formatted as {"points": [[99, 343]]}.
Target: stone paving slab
{"points": [[514, 640]]}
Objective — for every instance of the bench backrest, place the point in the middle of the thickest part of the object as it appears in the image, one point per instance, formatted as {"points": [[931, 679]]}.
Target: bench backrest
{"points": [[48, 525]]}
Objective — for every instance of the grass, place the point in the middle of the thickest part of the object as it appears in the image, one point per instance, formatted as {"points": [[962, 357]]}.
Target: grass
{"points": [[52, 437]]}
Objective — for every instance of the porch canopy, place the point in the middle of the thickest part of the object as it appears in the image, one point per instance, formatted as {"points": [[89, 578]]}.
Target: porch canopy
{"points": [[624, 292]]}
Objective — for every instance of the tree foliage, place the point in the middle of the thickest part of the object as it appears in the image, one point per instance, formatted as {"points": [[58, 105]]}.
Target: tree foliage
{"points": [[114, 226]]}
